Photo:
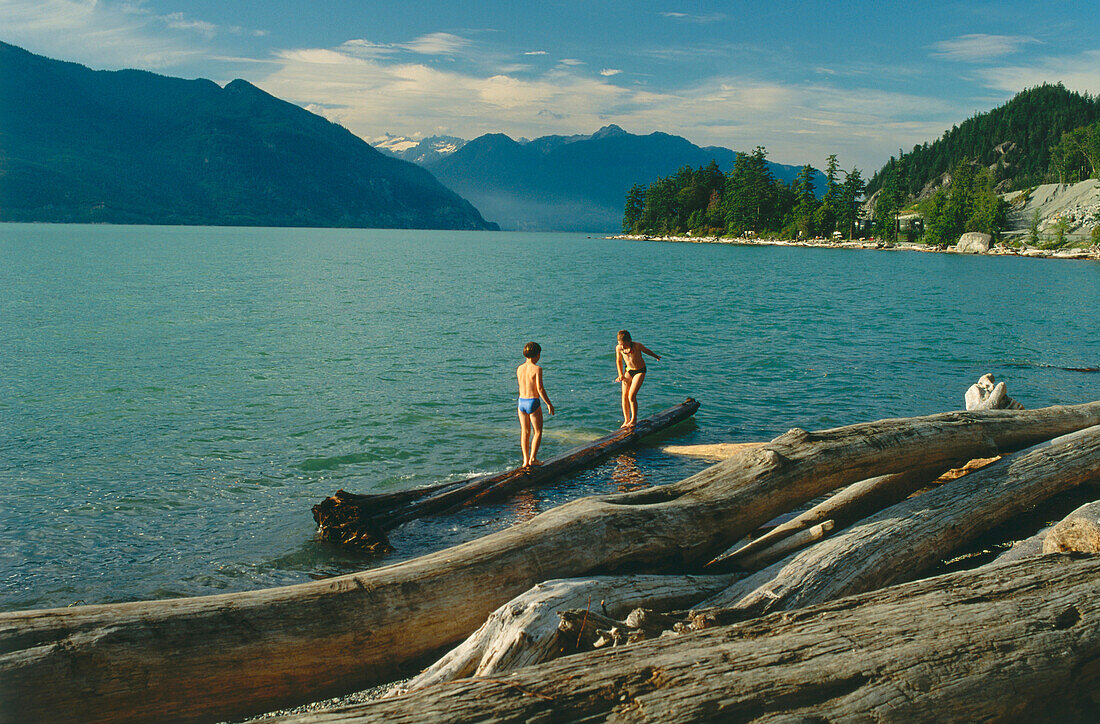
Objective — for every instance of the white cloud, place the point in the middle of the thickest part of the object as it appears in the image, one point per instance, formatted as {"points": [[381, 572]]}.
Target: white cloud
{"points": [[610, 71], [702, 19], [978, 47], [178, 21], [536, 52], [105, 34], [1079, 72], [436, 44], [571, 61], [797, 123]]}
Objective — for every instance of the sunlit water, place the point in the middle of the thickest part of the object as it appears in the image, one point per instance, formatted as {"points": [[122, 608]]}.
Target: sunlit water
{"points": [[174, 400]]}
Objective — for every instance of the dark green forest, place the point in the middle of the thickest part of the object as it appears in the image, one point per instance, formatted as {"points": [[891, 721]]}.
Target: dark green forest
{"points": [[747, 200], [1015, 141]]}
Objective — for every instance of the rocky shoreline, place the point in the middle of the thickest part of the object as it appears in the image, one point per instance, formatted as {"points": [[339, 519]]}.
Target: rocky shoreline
{"points": [[1091, 253]]}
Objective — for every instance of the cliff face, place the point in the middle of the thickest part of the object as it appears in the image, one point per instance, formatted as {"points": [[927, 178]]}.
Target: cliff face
{"points": [[78, 145], [1077, 204]]}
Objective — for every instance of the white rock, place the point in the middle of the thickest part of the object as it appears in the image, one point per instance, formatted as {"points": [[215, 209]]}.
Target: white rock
{"points": [[974, 242]]}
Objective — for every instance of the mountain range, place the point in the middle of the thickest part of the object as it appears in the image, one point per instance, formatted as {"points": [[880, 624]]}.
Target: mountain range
{"points": [[562, 183], [79, 145]]}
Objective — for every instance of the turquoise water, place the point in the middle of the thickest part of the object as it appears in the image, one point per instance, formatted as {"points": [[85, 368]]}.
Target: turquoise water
{"points": [[174, 400]]}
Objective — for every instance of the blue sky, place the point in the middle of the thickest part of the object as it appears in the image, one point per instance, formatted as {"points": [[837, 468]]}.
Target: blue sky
{"points": [[803, 79]]}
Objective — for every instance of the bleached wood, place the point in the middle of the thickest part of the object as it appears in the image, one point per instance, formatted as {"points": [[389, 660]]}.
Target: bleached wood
{"points": [[905, 539], [525, 630], [784, 547], [1015, 642], [237, 654]]}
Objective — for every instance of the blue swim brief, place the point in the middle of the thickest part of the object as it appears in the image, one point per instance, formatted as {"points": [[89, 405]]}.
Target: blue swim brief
{"points": [[529, 404]]}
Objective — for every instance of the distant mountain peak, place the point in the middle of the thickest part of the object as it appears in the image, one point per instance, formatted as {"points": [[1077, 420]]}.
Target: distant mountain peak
{"points": [[609, 131]]}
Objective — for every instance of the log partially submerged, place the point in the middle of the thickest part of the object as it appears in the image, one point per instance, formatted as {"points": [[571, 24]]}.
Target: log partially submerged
{"points": [[362, 521], [237, 654], [1014, 642]]}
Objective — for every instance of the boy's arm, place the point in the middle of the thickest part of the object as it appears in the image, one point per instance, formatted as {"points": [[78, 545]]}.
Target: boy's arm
{"points": [[618, 364], [650, 352], [542, 391]]}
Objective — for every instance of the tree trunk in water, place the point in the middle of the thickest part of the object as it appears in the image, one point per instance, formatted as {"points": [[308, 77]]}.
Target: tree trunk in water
{"points": [[900, 542], [362, 521], [1013, 642], [236, 654]]}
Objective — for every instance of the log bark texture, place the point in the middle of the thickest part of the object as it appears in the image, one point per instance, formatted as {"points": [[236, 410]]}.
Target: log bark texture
{"points": [[854, 502], [906, 539], [1014, 642], [236, 654], [524, 631], [362, 521]]}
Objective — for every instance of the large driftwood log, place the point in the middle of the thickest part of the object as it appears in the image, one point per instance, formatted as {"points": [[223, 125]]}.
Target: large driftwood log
{"points": [[906, 539], [236, 654], [1015, 642], [524, 631], [362, 521]]}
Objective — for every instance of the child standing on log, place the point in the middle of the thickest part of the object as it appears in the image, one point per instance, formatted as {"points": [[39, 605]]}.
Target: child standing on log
{"points": [[628, 354], [531, 396]]}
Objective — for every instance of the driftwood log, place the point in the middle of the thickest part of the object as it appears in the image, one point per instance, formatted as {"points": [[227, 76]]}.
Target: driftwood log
{"points": [[1012, 642], [236, 654], [848, 505], [524, 631], [908, 538], [362, 521]]}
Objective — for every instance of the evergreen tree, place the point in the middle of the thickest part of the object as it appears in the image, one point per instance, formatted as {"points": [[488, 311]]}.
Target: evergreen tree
{"points": [[635, 207]]}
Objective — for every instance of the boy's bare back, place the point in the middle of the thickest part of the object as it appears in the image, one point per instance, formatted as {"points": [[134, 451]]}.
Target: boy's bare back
{"points": [[529, 375]]}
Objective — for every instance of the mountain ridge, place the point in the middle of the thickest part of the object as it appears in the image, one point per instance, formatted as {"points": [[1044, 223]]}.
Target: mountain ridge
{"points": [[137, 147]]}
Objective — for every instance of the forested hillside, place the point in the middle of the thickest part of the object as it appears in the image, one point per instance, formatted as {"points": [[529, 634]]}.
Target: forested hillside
{"points": [[1014, 141]]}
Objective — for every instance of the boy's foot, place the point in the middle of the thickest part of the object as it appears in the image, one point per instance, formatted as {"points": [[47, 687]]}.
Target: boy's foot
{"points": [[534, 462], [625, 425]]}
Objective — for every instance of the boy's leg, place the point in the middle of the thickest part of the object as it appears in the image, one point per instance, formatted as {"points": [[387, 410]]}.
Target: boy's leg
{"points": [[635, 385], [626, 402], [525, 437], [536, 436]]}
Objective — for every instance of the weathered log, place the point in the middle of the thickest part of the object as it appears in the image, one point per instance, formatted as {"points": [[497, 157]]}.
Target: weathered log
{"points": [[236, 654], [1015, 642], [906, 539], [525, 630], [362, 521], [848, 505], [782, 548]]}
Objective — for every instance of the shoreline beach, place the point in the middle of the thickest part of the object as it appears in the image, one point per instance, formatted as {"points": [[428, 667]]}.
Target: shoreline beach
{"points": [[1091, 253]]}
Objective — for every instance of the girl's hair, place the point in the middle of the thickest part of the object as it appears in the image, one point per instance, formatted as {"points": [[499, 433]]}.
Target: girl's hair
{"points": [[532, 350], [624, 336]]}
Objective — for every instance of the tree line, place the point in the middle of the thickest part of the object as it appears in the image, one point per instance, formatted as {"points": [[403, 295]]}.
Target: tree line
{"points": [[748, 199]]}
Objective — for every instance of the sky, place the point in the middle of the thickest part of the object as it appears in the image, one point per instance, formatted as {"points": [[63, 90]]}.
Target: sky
{"points": [[859, 79]]}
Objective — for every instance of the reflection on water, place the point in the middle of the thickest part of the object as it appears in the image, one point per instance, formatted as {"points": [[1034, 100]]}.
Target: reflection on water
{"points": [[523, 506], [626, 475]]}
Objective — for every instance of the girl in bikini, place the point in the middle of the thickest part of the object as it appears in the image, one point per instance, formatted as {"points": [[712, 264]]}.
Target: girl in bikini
{"points": [[631, 367]]}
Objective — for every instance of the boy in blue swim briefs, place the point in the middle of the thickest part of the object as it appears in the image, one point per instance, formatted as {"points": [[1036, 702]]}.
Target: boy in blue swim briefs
{"points": [[531, 396]]}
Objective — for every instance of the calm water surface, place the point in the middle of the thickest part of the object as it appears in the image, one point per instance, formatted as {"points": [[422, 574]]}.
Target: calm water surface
{"points": [[174, 400]]}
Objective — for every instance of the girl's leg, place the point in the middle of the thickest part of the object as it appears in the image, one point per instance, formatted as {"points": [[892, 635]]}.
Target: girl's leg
{"points": [[635, 385], [525, 437], [536, 437]]}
